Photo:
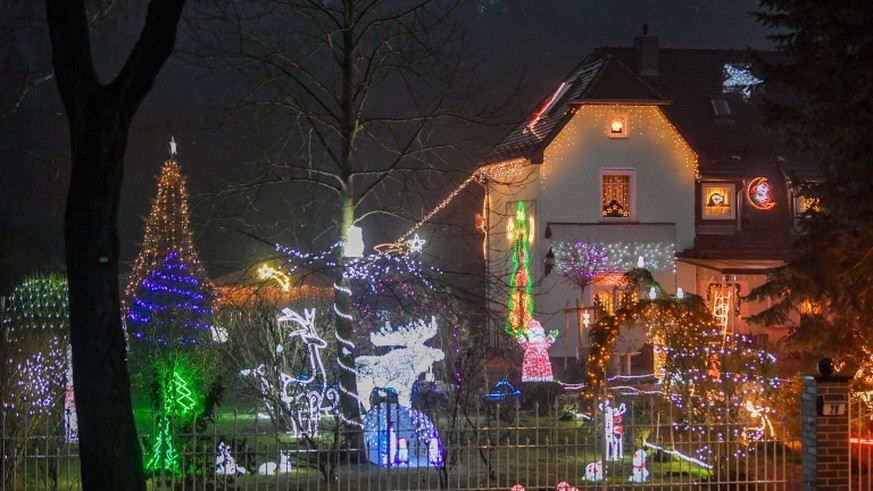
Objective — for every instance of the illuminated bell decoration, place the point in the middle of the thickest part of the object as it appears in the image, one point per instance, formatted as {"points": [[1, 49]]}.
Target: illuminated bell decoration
{"points": [[760, 194]]}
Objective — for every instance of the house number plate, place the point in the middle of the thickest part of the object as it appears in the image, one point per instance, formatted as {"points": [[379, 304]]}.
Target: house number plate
{"points": [[832, 405]]}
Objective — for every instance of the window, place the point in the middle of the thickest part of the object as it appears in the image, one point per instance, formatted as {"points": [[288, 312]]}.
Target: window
{"points": [[724, 304], [720, 108], [718, 201], [617, 125], [607, 301], [617, 194]]}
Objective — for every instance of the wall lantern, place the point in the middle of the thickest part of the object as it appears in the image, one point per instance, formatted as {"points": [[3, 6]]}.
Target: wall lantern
{"points": [[549, 261]]}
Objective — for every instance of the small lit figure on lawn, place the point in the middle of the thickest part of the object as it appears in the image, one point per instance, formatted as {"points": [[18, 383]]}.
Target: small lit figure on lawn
{"points": [[536, 367]]}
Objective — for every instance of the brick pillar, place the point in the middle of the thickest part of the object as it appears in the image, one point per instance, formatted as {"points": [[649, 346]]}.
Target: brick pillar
{"points": [[825, 432]]}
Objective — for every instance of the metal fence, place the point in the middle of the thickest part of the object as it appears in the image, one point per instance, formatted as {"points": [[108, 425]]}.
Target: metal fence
{"points": [[861, 443], [493, 446]]}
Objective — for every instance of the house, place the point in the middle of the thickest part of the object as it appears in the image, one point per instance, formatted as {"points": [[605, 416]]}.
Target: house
{"points": [[651, 154]]}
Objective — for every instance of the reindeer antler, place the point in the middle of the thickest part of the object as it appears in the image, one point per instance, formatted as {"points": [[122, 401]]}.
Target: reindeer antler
{"points": [[416, 333], [307, 320]]}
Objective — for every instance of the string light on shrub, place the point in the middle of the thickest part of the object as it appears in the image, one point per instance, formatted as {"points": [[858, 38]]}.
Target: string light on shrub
{"points": [[36, 321]]}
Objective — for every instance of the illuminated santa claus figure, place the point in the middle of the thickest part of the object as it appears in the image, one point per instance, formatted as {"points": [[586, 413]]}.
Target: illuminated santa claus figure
{"points": [[536, 366]]}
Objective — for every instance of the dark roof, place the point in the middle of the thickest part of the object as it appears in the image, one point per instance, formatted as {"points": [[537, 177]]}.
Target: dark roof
{"points": [[529, 136], [687, 82]]}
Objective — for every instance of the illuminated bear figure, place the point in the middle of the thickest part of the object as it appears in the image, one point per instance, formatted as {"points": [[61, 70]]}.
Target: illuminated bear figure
{"points": [[399, 436]]}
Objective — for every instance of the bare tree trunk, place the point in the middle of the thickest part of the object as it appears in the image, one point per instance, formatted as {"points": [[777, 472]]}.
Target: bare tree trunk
{"points": [[99, 117]]}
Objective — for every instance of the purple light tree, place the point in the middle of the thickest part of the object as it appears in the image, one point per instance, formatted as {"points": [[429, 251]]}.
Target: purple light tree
{"points": [[581, 263]]}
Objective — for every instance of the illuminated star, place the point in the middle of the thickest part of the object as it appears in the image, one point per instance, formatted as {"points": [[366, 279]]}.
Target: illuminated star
{"points": [[415, 244]]}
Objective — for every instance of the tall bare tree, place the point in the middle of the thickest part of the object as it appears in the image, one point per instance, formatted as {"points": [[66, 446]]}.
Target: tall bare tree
{"points": [[358, 90], [99, 115]]}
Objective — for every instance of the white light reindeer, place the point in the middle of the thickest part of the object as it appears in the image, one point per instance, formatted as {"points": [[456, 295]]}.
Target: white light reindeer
{"points": [[613, 430], [401, 367], [305, 407]]}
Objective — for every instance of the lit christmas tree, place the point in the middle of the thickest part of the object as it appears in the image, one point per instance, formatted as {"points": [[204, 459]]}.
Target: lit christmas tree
{"points": [[168, 298], [520, 306], [37, 371]]}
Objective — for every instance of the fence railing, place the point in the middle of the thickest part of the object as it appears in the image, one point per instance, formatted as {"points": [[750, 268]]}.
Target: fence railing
{"points": [[494, 446], [861, 444]]}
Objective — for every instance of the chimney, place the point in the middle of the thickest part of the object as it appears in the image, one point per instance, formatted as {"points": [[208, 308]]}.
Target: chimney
{"points": [[646, 48]]}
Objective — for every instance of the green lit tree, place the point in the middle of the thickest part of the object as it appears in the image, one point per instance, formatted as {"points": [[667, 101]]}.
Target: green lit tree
{"points": [[826, 49], [520, 304]]}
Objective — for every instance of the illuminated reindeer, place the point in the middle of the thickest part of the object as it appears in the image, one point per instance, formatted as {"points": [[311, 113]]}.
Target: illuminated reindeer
{"points": [[307, 397], [400, 367]]}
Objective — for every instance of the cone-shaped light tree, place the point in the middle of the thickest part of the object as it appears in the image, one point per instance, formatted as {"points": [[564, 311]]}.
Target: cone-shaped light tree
{"points": [[168, 299], [520, 305]]}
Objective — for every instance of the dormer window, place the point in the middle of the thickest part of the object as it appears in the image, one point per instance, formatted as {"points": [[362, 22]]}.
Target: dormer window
{"points": [[718, 201], [720, 108], [617, 125]]}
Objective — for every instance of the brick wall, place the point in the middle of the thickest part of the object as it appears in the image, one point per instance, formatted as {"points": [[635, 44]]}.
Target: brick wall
{"points": [[825, 438]]}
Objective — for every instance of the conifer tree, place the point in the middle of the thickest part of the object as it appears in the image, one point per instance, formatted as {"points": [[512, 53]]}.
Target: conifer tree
{"points": [[827, 49], [169, 297]]}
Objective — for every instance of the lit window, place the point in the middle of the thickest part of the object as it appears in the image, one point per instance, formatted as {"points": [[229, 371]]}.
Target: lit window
{"points": [[617, 191], [617, 125], [724, 303], [607, 301], [808, 307], [804, 204], [718, 201]]}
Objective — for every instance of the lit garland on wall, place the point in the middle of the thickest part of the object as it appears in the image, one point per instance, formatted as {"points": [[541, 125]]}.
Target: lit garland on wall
{"points": [[167, 233], [520, 304], [648, 122], [39, 367]]}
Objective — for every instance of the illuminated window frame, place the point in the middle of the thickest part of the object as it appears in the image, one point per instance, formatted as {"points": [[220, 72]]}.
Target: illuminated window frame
{"points": [[607, 299], [629, 205], [618, 125], [709, 209]]}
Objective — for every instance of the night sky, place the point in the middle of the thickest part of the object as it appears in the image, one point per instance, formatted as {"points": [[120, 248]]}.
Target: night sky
{"points": [[531, 44]]}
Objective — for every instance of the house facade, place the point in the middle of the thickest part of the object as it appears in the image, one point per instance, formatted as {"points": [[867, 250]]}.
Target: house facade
{"points": [[651, 156]]}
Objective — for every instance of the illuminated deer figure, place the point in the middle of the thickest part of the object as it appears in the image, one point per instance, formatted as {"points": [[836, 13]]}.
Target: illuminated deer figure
{"points": [[400, 367], [309, 405], [613, 430], [304, 406]]}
